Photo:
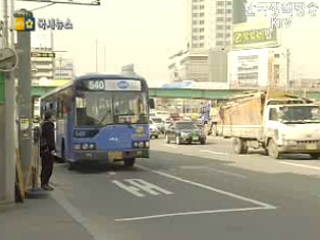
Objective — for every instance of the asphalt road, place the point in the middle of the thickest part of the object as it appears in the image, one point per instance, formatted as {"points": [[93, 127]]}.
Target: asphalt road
{"points": [[193, 192]]}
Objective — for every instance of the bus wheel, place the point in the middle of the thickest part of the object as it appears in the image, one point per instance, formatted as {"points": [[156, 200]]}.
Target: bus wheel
{"points": [[129, 162], [71, 166]]}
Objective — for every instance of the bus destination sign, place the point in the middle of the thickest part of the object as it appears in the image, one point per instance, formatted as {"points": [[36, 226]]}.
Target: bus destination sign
{"points": [[114, 85]]}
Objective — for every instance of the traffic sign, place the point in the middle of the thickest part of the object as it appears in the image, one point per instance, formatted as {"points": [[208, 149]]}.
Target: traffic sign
{"points": [[8, 60]]}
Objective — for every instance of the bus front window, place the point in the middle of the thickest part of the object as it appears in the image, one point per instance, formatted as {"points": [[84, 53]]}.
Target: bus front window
{"points": [[94, 109], [130, 107]]}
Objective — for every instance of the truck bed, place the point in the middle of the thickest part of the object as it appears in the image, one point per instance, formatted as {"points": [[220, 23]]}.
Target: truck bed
{"points": [[242, 118]]}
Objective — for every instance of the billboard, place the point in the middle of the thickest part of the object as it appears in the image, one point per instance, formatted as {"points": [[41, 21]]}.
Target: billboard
{"points": [[252, 35], [248, 68]]}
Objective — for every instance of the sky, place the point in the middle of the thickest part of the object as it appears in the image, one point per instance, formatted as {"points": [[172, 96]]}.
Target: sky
{"points": [[147, 32]]}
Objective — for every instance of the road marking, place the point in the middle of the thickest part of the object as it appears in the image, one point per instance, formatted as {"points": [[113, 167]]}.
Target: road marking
{"points": [[138, 186], [301, 165], [168, 145], [216, 190], [112, 173], [213, 170], [227, 173], [191, 213], [213, 152]]}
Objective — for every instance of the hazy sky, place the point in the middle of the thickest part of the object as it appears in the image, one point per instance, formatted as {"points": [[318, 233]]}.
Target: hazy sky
{"points": [[146, 32]]}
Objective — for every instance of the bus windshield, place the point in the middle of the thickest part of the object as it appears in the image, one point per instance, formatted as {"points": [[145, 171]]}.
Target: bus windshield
{"points": [[102, 108]]}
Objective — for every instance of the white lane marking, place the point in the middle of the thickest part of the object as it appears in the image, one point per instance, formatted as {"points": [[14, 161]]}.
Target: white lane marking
{"points": [[227, 173], [301, 165], [138, 186], [213, 170], [168, 145], [191, 213], [214, 152], [133, 190], [216, 190], [112, 173], [96, 234]]}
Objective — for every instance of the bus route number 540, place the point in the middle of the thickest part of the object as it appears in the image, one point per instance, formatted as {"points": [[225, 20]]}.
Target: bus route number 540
{"points": [[96, 85]]}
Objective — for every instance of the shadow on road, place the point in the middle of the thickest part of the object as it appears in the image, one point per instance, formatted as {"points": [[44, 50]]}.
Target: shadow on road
{"points": [[96, 168]]}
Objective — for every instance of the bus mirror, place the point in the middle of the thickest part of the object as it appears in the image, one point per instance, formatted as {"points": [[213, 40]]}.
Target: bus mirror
{"points": [[151, 103]]}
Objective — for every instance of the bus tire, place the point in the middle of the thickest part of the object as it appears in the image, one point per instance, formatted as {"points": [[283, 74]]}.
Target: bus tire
{"points": [[129, 162], [63, 152], [71, 166]]}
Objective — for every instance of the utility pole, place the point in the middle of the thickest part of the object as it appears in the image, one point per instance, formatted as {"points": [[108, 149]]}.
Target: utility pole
{"points": [[104, 62], [288, 69], [96, 55], [24, 93], [7, 154]]}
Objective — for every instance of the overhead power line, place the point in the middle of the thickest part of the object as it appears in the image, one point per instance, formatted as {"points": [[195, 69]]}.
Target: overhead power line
{"points": [[93, 3]]}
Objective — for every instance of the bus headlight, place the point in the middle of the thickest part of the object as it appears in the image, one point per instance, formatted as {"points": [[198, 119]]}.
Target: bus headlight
{"points": [[135, 144], [141, 144], [147, 144], [85, 146], [92, 146], [77, 146]]}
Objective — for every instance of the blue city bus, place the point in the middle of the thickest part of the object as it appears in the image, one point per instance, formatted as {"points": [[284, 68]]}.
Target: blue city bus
{"points": [[100, 118]]}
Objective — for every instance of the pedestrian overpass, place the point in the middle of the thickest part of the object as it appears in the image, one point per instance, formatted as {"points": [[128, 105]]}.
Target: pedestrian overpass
{"points": [[209, 94]]}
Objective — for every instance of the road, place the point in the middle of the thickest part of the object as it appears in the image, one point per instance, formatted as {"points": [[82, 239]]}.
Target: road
{"points": [[192, 192]]}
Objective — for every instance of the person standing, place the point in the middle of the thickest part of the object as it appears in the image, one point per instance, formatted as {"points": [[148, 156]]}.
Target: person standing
{"points": [[47, 151]]}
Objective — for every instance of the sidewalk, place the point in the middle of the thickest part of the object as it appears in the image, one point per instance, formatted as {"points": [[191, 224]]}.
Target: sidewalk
{"points": [[40, 218]]}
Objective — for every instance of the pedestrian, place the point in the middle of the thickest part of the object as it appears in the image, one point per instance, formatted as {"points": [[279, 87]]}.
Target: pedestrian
{"points": [[47, 150]]}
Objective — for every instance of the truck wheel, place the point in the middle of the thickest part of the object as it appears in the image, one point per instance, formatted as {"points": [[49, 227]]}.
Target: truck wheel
{"points": [[240, 146], [273, 150], [315, 155]]}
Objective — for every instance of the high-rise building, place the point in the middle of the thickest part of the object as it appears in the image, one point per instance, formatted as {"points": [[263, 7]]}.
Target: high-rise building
{"points": [[42, 65], [209, 23], [209, 28]]}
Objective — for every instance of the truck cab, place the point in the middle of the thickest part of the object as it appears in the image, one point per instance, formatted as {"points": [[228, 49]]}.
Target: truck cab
{"points": [[291, 128]]}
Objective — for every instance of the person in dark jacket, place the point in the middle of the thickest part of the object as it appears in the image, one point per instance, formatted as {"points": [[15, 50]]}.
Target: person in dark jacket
{"points": [[47, 151]]}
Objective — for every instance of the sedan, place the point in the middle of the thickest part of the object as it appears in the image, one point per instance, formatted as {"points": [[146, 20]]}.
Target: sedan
{"points": [[185, 132]]}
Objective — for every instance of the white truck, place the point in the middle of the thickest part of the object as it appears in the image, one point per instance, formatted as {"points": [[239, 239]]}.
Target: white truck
{"points": [[274, 121]]}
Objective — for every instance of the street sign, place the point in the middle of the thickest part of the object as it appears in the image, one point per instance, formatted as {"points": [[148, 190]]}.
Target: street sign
{"points": [[25, 23], [43, 54], [8, 60]]}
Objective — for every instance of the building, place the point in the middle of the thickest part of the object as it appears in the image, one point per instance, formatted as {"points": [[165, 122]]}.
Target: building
{"points": [[209, 27], [42, 65], [64, 69], [209, 23], [189, 65], [258, 68]]}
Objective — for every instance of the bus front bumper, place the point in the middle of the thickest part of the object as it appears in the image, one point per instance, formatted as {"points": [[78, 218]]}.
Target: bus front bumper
{"points": [[116, 155]]}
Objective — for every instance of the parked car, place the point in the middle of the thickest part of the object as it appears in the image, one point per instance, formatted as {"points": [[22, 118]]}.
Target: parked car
{"points": [[185, 132], [153, 129]]}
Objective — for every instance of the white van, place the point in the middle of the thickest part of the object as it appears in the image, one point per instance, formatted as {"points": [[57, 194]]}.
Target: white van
{"points": [[164, 115]]}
